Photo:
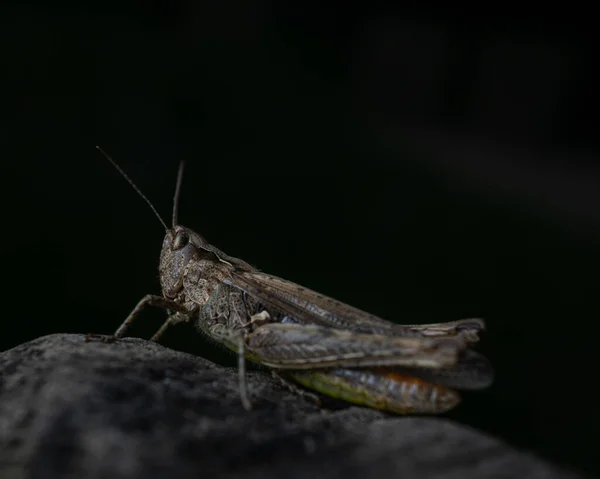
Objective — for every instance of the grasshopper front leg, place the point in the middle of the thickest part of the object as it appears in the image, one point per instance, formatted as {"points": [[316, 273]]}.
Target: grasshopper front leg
{"points": [[148, 300]]}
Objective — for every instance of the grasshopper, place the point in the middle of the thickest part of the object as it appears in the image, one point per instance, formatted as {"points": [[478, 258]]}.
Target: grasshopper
{"points": [[305, 337]]}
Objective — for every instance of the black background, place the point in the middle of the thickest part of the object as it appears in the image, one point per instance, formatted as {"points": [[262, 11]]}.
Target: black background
{"points": [[421, 165]]}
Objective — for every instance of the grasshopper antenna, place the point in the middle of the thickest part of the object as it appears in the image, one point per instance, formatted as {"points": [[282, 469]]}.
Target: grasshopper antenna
{"points": [[177, 192], [130, 181]]}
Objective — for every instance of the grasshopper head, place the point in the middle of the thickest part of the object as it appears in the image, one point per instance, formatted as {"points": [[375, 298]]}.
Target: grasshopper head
{"points": [[181, 245], [178, 249]]}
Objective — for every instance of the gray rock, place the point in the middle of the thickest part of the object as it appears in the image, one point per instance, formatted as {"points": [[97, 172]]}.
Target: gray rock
{"points": [[76, 409]]}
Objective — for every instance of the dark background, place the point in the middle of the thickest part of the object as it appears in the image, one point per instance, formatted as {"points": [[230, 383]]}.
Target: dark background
{"points": [[421, 165]]}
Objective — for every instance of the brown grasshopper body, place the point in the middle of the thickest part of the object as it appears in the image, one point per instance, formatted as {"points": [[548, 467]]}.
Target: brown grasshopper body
{"points": [[312, 339]]}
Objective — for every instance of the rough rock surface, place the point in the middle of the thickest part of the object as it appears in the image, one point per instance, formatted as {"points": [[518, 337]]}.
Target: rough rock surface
{"points": [[70, 408]]}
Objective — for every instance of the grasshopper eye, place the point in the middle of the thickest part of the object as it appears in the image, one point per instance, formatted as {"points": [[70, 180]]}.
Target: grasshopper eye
{"points": [[180, 240]]}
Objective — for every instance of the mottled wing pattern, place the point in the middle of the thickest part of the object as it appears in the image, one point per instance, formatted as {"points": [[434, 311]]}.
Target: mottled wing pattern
{"points": [[306, 306]]}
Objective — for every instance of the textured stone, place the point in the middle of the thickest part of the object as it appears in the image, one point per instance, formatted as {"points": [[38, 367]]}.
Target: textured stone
{"points": [[70, 408]]}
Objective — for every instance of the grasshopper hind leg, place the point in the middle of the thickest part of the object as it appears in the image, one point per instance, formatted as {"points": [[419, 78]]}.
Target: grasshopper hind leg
{"points": [[469, 329], [380, 389]]}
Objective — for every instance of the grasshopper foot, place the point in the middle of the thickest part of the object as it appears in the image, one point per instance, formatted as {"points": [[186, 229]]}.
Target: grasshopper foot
{"points": [[104, 338], [246, 402], [296, 390]]}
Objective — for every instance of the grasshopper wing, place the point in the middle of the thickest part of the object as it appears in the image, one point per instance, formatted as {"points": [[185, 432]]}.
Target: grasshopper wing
{"points": [[305, 306]]}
